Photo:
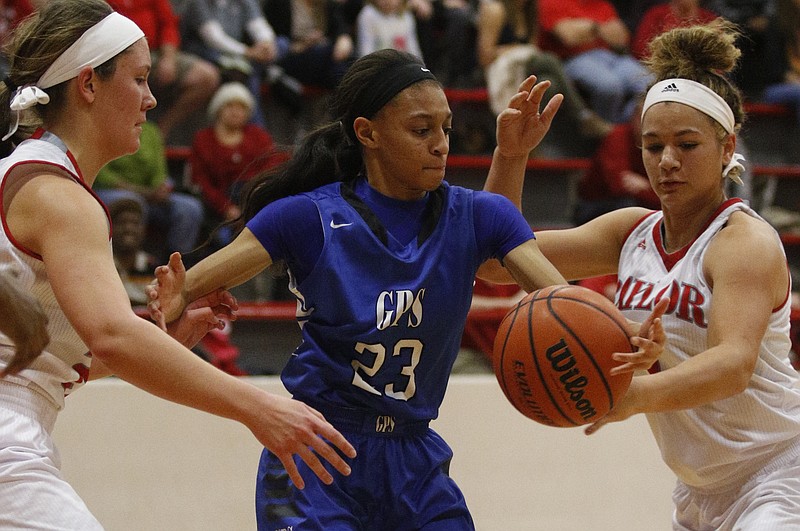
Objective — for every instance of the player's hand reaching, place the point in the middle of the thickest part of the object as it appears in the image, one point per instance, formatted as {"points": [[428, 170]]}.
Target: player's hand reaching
{"points": [[24, 322], [650, 339], [622, 410], [202, 316], [521, 126], [288, 427], [167, 300]]}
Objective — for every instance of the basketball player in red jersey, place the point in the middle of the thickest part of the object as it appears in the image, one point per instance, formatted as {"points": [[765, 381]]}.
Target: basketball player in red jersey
{"points": [[79, 71], [725, 406]]}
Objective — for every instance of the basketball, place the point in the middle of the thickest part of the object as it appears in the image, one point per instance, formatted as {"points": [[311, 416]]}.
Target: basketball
{"points": [[552, 355]]}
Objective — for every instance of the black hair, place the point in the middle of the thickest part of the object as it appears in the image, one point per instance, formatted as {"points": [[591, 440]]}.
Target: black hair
{"points": [[329, 153]]}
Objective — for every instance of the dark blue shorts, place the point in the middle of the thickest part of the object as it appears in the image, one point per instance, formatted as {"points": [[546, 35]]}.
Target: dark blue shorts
{"points": [[399, 482]]}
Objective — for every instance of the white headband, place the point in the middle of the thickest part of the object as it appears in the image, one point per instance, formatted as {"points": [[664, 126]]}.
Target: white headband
{"points": [[98, 44], [705, 100]]}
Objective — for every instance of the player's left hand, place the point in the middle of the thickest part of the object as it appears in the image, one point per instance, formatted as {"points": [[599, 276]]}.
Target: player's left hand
{"points": [[202, 316], [622, 410], [649, 337], [521, 126], [165, 293]]}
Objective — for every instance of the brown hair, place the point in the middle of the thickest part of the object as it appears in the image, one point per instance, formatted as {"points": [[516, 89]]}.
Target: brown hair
{"points": [[704, 54]]}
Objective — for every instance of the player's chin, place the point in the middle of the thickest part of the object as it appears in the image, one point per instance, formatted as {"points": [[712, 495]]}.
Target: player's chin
{"points": [[434, 176], [134, 142]]}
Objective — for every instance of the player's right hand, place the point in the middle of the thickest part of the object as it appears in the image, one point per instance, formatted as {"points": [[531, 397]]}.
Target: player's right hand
{"points": [[289, 427]]}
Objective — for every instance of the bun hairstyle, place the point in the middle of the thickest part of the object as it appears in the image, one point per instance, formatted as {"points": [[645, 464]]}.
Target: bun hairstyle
{"points": [[704, 54]]}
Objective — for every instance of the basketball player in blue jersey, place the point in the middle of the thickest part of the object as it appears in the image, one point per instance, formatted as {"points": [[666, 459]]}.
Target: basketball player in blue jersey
{"points": [[381, 255], [724, 407]]}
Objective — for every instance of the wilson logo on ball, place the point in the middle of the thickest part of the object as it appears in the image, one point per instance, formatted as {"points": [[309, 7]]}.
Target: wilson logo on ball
{"points": [[552, 356], [563, 362]]}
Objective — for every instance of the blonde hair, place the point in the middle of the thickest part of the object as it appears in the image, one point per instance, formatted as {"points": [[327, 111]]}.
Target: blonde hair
{"points": [[35, 44], [704, 54]]}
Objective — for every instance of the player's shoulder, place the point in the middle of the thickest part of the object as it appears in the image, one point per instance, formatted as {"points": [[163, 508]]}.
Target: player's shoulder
{"points": [[746, 225]]}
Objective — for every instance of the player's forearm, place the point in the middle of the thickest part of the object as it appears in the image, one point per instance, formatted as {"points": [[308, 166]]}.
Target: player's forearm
{"points": [[702, 379], [144, 356], [506, 176]]}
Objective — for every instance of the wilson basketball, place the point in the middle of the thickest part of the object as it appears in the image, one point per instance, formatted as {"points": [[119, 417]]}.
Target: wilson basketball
{"points": [[552, 355]]}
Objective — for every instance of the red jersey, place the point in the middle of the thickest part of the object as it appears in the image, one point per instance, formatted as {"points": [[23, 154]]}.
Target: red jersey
{"points": [[661, 18], [156, 18], [216, 167], [617, 153], [551, 12]]}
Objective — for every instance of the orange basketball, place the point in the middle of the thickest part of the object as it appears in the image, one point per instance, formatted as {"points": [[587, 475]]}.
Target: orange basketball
{"points": [[552, 354]]}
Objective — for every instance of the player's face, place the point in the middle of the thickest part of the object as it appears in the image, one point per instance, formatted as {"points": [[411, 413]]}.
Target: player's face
{"points": [[683, 155], [125, 99], [411, 137]]}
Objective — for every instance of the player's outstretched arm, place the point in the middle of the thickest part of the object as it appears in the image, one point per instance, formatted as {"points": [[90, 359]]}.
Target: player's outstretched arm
{"points": [[520, 128], [137, 351]]}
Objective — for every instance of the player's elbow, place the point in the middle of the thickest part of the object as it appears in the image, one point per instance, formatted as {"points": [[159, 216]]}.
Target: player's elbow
{"points": [[112, 340], [739, 373]]}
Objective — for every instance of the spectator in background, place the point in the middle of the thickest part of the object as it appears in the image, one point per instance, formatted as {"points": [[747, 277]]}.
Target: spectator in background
{"points": [[315, 39], [631, 11], [616, 177], [663, 17], [11, 12], [228, 153], [143, 177], [783, 67], [134, 265], [183, 80], [507, 51], [447, 33], [235, 36], [593, 42], [387, 24], [752, 17]]}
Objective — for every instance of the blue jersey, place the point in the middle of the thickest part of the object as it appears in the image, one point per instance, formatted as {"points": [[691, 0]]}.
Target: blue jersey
{"points": [[381, 320]]}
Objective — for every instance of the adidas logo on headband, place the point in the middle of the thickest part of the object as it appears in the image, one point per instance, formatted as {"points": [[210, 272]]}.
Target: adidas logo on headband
{"points": [[672, 87]]}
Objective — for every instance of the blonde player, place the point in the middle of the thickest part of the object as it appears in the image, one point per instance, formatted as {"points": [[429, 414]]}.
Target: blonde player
{"points": [[725, 406], [79, 71]]}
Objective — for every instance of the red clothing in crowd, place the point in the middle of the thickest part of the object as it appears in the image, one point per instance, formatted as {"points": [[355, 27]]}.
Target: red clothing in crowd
{"points": [[216, 167], [551, 12], [617, 153], [661, 18], [11, 13], [156, 18]]}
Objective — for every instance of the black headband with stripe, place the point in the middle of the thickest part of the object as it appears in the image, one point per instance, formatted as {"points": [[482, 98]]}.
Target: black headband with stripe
{"points": [[372, 99]]}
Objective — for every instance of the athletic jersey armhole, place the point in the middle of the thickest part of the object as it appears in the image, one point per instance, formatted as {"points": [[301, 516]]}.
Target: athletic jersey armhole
{"points": [[638, 222], [33, 168], [788, 297]]}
